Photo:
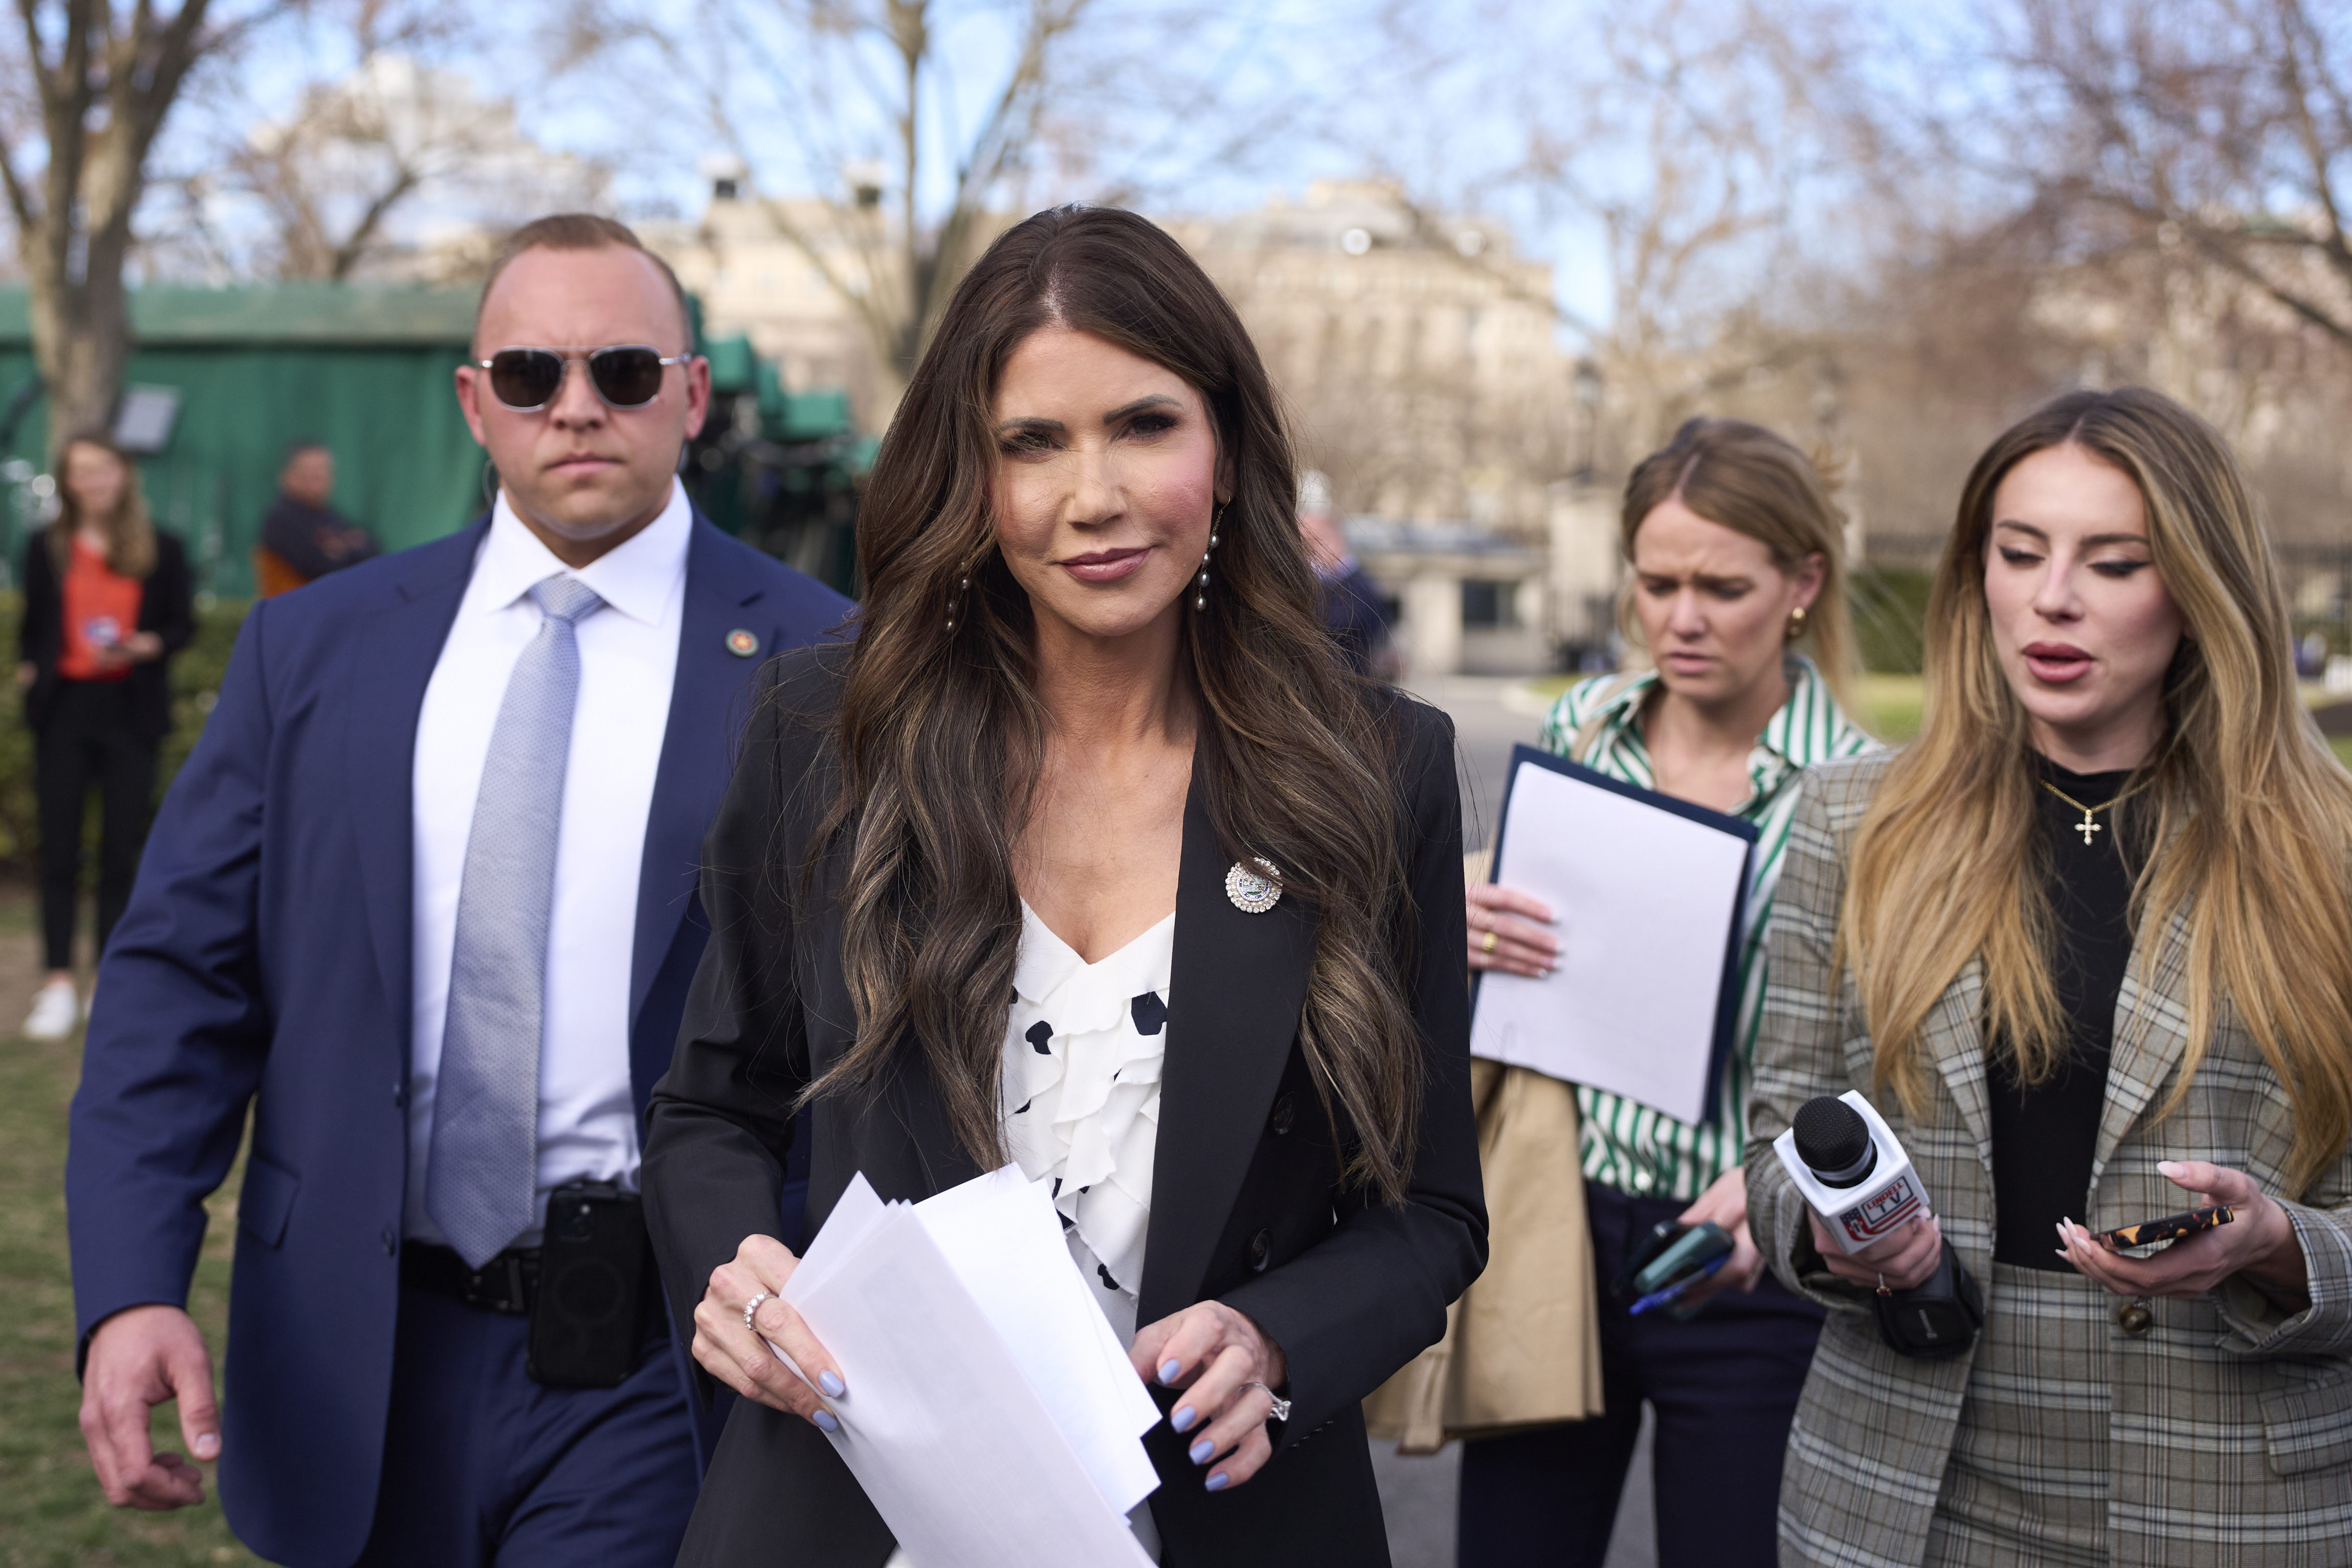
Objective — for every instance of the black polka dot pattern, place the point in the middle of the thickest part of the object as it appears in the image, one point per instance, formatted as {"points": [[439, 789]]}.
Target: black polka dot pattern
{"points": [[1150, 1012], [1108, 1283], [1041, 1035]]}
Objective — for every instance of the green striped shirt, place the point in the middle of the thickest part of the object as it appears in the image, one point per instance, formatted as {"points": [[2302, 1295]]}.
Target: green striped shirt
{"points": [[1627, 1144]]}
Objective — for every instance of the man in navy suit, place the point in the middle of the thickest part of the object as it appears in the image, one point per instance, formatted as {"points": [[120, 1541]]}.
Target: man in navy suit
{"points": [[423, 900]]}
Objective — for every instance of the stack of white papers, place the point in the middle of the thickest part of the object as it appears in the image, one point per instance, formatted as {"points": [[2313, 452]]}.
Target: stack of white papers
{"points": [[991, 1415]]}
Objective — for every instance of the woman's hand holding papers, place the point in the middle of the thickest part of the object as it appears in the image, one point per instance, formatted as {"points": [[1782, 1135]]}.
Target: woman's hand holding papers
{"points": [[739, 1356], [1508, 917], [1214, 1354]]}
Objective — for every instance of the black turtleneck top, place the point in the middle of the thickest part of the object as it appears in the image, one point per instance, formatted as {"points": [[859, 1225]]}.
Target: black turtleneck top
{"points": [[2045, 1136]]}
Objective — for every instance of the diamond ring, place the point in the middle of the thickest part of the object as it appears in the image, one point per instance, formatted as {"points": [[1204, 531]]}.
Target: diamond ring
{"points": [[1281, 1411]]}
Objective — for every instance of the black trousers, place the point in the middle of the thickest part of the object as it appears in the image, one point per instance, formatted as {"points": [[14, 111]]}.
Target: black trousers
{"points": [[1724, 1386], [90, 738]]}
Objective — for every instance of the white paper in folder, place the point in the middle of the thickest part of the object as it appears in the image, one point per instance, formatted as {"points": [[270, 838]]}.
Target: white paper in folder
{"points": [[1649, 897], [992, 1415]]}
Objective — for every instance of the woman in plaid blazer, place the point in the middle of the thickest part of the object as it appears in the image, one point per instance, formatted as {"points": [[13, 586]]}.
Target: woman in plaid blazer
{"points": [[2087, 946]]}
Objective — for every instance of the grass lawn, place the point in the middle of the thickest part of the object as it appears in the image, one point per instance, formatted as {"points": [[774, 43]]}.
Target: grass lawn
{"points": [[52, 1514]]}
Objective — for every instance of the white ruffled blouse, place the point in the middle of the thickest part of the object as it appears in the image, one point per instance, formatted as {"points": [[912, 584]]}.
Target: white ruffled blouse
{"points": [[1082, 1058]]}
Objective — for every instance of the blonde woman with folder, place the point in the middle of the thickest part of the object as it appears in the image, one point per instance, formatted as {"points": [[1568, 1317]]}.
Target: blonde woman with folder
{"points": [[1737, 570]]}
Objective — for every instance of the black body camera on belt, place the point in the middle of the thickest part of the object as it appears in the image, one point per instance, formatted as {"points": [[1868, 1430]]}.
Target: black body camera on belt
{"points": [[587, 1320]]}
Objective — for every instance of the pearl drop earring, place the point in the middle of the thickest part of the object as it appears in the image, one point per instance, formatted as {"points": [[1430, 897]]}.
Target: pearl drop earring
{"points": [[1200, 597]]}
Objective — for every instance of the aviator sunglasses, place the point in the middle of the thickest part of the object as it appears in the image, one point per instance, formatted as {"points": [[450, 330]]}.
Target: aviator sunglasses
{"points": [[527, 379]]}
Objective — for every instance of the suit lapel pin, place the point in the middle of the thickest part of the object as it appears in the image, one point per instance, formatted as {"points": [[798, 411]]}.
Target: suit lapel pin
{"points": [[742, 644], [1252, 891]]}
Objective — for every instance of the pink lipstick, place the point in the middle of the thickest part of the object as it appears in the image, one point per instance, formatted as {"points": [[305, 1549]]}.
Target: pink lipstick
{"points": [[1106, 565], [2056, 663]]}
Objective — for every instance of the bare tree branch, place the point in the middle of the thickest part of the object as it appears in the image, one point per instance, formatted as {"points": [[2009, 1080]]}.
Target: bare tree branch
{"points": [[74, 240], [872, 144]]}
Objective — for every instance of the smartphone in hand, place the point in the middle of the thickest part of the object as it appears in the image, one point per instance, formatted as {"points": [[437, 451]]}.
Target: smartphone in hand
{"points": [[2171, 1228], [1691, 1254]]}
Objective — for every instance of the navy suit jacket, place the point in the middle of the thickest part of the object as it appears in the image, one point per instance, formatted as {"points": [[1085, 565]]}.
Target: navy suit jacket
{"points": [[264, 961]]}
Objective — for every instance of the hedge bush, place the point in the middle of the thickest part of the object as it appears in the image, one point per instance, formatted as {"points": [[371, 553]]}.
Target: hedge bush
{"points": [[197, 677], [1889, 606]]}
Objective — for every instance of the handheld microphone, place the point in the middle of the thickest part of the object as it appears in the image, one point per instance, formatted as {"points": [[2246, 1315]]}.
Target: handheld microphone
{"points": [[1852, 1173], [1851, 1168]]}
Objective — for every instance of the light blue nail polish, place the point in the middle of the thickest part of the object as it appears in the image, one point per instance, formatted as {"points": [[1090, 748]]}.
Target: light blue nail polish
{"points": [[1183, 1420], [825, 1421], [1199, 1453], [1169, 1369], [1219, 1481], [832, 1384]]}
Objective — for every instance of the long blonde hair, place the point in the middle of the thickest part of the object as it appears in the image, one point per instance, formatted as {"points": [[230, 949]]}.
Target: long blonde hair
{"points": [[1752, 481], [130, 532], [2248, 815]]}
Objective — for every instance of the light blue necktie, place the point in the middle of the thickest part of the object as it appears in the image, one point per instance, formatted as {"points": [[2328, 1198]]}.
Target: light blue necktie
{"points": [[481, 1184]]}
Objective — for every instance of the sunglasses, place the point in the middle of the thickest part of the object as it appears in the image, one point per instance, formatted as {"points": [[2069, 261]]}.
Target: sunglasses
{"points": [[527, 379]]}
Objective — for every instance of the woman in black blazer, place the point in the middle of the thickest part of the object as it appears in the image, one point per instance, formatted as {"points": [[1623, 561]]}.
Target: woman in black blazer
{"points": [[106, 606], [1089, 694]]}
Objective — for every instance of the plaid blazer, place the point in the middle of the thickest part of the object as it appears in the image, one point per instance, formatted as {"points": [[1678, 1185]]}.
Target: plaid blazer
{"points": [[2231, 1424]]}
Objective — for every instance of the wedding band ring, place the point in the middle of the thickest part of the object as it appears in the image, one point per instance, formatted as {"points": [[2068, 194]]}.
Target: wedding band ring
{"points": [[753, 1306], [1488, 947], [1281, 1411]]}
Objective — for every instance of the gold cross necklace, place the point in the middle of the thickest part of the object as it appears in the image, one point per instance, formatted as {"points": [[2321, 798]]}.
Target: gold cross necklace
{"points": [[2087, 827]]}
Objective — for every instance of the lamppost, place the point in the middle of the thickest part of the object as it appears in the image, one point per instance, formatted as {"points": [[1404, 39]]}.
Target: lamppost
{"points": [[1588, 399]]}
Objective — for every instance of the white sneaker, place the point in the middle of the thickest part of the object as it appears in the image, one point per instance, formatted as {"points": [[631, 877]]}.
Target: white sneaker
{"points": [[56, 1010]]}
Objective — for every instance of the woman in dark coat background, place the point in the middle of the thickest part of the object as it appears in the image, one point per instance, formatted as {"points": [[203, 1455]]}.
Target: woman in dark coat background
{"points": [[106, 605], [1089, 708]]}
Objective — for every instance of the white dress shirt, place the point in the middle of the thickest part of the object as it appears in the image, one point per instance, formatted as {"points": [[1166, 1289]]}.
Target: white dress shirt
{"points": [[628, 661]]}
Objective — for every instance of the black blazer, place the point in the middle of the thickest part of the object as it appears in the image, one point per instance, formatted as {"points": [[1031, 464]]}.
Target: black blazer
{"points": [[1246, 1204], [164, 608]]}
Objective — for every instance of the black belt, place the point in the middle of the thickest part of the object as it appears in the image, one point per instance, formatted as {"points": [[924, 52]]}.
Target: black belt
{"points": [[507, 1283]]}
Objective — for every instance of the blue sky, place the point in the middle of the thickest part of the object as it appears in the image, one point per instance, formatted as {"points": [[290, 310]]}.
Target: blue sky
{"points": [[1446, 102]]}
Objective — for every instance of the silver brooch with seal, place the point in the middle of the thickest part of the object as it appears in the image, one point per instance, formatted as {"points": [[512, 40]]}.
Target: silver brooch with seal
{"points": [[1251, 887]]}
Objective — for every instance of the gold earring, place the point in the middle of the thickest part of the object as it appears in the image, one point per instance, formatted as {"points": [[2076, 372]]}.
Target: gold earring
{"points": [[1796, 622]]}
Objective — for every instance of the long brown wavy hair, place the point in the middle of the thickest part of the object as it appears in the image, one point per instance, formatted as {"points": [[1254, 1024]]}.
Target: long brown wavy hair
{"points": [[130, 533], [2247, 814], [942, 736]]}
